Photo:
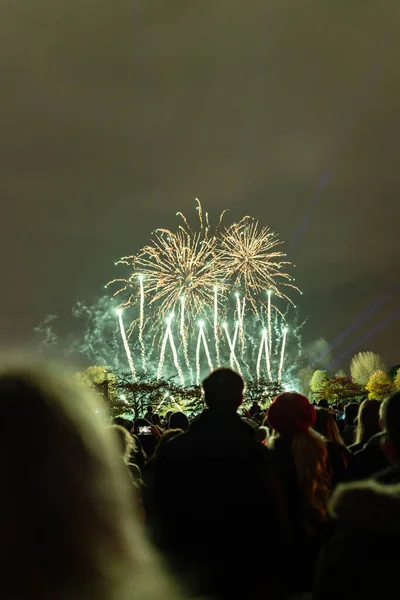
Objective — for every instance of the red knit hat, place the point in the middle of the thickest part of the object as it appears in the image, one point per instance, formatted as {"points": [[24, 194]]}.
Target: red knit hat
{"points": [[291, 413]]}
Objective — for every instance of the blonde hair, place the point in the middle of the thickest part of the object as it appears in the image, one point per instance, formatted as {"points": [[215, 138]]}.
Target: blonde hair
{"points": [[368, 421], [310, 458], [126, 442], [66, 514], [310, 454]]}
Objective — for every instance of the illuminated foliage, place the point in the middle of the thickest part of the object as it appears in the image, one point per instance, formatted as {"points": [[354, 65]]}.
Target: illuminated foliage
{"points": [[379, 386]]}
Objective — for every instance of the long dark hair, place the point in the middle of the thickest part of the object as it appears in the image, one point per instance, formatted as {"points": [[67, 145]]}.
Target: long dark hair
{"points": [[326, 425]]}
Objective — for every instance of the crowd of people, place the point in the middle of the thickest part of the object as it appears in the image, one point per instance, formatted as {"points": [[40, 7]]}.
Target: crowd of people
{"points": [[251, 504]]}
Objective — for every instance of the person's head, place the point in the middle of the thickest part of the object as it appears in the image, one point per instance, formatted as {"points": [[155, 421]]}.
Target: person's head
{"points": [[127, 423], [368, 422], [223, 390], [126, 444], [325, 424], [392, 424], [350, 413], [179, 420], [382, 413], [167, 436], [290, 414], [149, 410], [291, 417], [155, 419], [323, 403], [66, 513]]}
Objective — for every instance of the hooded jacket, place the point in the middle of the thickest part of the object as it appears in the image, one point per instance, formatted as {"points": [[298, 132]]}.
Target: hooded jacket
{"points": [[361, 560]]}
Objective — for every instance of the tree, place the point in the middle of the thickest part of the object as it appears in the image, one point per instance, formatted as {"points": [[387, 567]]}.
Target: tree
{"points": [[304, 377], [94, 375], [319, 380], [341, 389], [104, 382], [261, 390], [364, 364], [396, 382], [340, 374], [379, 386], [393, 371]]}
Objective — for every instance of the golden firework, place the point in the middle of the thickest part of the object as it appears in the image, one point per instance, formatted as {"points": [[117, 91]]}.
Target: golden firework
{"points": [[248, 255], [175, 266]]}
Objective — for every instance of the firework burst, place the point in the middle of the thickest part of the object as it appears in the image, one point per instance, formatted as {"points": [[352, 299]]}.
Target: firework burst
{"points": [[182, 287], [249, 257], [179, 271]]}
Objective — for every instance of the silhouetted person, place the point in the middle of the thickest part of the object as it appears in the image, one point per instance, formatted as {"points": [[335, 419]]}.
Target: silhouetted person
{"points": [[391, 423], [149, 414], [361, 560], [301, 458], [255, 409], [207, 482], [372, 458], [338, 455], [368, 424], [350, 416], [179, 420], [323, 403]]}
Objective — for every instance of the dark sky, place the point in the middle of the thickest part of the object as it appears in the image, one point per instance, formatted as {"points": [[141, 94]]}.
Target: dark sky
{"points": [[115, 115]]}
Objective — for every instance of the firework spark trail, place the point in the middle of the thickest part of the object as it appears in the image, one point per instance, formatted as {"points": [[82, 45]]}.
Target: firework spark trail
{"points": [[166, 395], [175, 357], [260, 353], [184, 337], [240, 314], [216, 337], [269, 321], [141, 323], [160, 405], [282, 354], [163, 348], [126, 345], [267, 356], [206, 347], [228, 337], [232, 344], [238, 308], [198, 358]]}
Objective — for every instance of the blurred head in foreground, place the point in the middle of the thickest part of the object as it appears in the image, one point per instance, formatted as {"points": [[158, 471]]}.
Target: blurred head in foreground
{"points": [[67, 520]]}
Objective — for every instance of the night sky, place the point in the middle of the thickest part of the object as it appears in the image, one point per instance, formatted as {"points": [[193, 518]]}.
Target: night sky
{"points": [[117, 114]]}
